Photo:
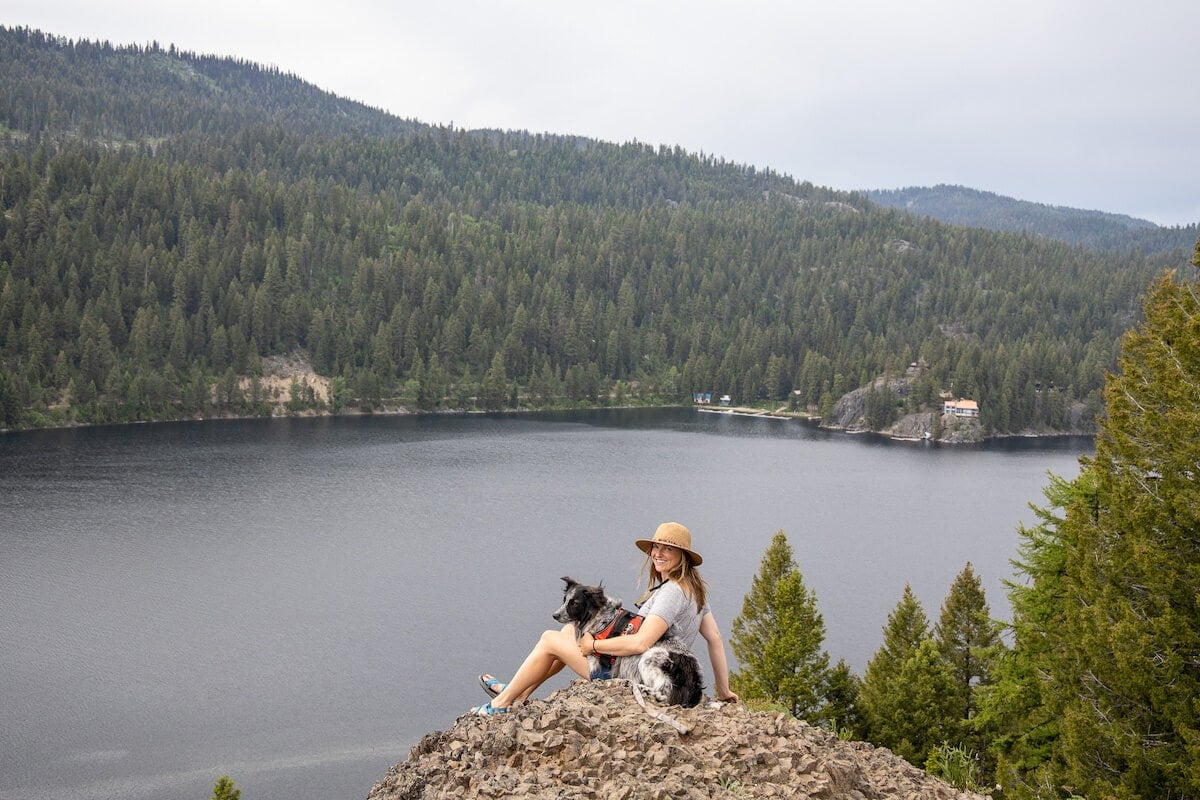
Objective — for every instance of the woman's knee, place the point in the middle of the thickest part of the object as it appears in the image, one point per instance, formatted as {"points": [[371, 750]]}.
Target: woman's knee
{"points": [[553, 641]]}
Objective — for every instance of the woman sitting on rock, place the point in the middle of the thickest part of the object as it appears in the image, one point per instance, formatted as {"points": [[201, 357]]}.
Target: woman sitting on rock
{"points": [[675, 601]]}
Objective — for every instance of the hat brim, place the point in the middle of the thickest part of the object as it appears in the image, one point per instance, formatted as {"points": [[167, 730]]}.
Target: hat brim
{"points": [[694, 558]]}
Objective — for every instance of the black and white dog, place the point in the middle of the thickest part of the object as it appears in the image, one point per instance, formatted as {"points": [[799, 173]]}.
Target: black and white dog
{"points": [[668, 671]]}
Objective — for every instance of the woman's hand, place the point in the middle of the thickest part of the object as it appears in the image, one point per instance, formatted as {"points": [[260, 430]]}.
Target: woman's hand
{"points": [[587, 645], [728, 697]]}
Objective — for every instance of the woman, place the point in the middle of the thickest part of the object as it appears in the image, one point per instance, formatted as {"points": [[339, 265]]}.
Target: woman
{"points": [[675, 601]]}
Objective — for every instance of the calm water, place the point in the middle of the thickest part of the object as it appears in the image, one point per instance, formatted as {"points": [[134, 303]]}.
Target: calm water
{"points": [[296, 602]]}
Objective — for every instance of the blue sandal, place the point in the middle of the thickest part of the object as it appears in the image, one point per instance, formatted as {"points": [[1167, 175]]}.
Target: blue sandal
{"points": [[491, 685], [487, 710]]}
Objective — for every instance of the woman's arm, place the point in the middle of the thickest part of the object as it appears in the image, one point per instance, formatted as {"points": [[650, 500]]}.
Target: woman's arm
{"points": [[653, 627], [716, 654]]}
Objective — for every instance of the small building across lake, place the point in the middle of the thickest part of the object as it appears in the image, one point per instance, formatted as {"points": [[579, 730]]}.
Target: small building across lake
{"points": [[961, 408]]}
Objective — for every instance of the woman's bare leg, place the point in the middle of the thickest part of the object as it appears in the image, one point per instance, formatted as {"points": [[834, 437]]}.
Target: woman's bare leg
{"points": [[554, 650], [555, 668]]}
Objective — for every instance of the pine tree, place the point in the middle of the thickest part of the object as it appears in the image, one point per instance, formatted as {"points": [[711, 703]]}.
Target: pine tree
{"points": [[1022, 706], [841, 709], [906, 628], [778, 637], [969, 642], [917, 713], [967, 638], [10, 401], [1131, 728], [907, 694], [494, 383], [224, 789]]}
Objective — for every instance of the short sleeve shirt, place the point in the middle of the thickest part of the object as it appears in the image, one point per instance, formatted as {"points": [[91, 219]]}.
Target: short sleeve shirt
{"points": [[678, 610]]}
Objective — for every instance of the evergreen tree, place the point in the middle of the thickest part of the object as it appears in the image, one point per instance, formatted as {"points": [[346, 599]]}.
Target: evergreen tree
{"points": [[1131, 728], [778, 637], [495, 383], [339, 394], [969, 642], [841, 708], [10, 400], [967, 638], [1022, 706], [224, 789], [907, 626], [907, 694], [917, 714]]}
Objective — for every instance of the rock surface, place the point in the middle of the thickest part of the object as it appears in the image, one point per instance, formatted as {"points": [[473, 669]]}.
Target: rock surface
{"points": [[593, 740], [850, 412]]}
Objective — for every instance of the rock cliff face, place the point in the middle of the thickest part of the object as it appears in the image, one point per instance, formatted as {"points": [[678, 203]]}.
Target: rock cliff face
{"points": [[593, 740], [850, 412]]}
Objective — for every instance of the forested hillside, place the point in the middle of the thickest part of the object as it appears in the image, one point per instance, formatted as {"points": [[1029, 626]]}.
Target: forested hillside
{"points": [[171, 220], [959, 205]]}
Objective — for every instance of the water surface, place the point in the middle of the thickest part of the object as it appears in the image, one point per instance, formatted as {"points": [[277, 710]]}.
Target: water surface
{"points": [[296, 602]]}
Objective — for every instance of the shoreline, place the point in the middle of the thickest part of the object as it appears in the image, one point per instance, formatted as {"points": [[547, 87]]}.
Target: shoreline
{"points": [[400, 411]]}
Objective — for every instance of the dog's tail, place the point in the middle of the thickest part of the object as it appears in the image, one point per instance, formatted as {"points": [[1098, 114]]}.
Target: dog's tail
{"points": [[687, 684]]}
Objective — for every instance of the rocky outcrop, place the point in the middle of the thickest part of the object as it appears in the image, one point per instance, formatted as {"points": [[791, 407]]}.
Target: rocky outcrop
{"points": [[935, 426], [924, 425], [278, 373], [593, 740], [850, 411], [850, 414]]}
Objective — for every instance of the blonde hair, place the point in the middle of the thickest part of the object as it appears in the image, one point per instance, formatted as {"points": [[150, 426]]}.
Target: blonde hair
{"points": [[687, 576]]}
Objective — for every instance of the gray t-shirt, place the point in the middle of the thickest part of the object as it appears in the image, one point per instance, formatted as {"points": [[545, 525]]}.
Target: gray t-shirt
{"points": [[677, 609]]}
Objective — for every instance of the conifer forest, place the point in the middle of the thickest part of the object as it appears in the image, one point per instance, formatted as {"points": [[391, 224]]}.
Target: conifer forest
{"points": [[170, 220]]}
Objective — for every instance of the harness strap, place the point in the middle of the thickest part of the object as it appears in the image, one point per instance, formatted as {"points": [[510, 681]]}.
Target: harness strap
{"points": [[624, 624]]}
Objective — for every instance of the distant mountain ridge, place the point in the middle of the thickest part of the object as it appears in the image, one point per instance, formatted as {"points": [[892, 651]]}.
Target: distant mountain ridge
{"points": [[120, 94], [959, 205]]}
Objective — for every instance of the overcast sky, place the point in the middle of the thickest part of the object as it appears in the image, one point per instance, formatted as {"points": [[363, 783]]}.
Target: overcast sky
{"points": [[1091, 104]]}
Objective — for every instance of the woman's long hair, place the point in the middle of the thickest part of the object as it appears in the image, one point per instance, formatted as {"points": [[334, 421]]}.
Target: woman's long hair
{"points": [[687, 576]]}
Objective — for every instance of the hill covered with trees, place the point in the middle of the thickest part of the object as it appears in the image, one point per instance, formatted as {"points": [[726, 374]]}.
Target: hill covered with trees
{"points": [[168, 221], [959, 205]]}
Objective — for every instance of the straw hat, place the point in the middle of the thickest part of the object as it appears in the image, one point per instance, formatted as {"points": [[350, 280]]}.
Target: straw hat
{"points": [[676, 535]]}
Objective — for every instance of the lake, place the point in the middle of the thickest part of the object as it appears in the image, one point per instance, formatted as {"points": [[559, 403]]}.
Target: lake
{"points": [[296, 602]]}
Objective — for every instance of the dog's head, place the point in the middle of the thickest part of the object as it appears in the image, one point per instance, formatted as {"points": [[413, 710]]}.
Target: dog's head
{"points": [[580, 603]]}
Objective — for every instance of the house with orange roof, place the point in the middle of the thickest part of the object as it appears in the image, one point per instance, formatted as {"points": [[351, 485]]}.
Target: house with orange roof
{"points": [[961, 408]]}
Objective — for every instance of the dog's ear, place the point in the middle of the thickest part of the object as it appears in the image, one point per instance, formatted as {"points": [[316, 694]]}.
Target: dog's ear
{"points": [[569, 581]]}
